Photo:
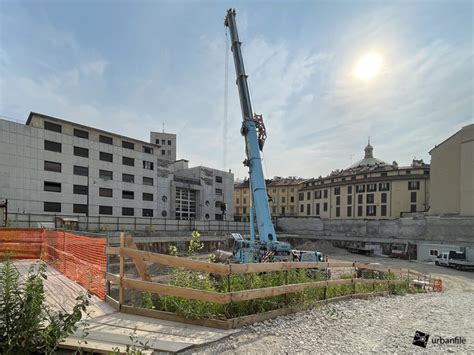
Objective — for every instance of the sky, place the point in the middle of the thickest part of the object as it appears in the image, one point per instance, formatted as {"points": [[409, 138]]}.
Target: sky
{"points": [[131, 66]]}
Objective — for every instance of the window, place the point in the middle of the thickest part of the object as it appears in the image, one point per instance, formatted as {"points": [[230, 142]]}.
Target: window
{"points": [[317, 209], [292, 190], [52, 166], [147, 150], [147, 212], [106, 140], [383, 210], [412, 208], [413, 185], [408, 172], [413, 197], [360, 199], [163, 142], [384, 197], [308, 209], [359, 211], [349, 199], [81, 152], [105, 175], [78, 208], [218, 217], [81, 170], [383, 174], [274, 209], [349, 189], [283, 199], [360, 188], [105, 210], [81, 134], [128, 145], [128, 178], [325, 207], [147, 197], [52, 207], [169, 142], [283, 210], [129, 195], [244, 210], [308, 195], [52, 146], [147, 181], [384, 186], [147, 165], [80, 189], [163, 152], [128, 161], [301, 196], [237, 201], [371, 210], [169, 152], [219, 192], [371, 187], [164, 213], [245, 201], [349, 211], [50, 126], [157, 141], [301, 208], [325, 193], [338, 200], [317, 194], [337, 191], [105, 192], [127, 211], [218, 178], [433, 252], [106, 157], [52, 186], [338, 211], [370, 198]]}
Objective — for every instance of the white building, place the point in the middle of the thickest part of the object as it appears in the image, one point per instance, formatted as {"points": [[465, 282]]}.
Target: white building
{"points": [[50, 165]]}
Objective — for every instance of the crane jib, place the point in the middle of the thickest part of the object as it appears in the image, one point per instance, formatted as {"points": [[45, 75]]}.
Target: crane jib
{"points": [[253, 130]]}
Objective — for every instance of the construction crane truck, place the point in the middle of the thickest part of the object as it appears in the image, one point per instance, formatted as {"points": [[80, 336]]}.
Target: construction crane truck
{"points": [[267, 247]]}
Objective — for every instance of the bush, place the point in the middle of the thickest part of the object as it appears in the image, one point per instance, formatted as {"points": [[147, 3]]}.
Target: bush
{"points": [[27, 324]]}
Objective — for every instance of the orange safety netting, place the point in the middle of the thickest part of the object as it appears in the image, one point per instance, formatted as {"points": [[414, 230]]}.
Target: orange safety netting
{"points": [[80, 258]]}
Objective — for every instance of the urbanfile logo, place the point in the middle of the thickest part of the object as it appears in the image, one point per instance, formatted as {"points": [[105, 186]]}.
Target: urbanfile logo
{"points": [[420, 339]]}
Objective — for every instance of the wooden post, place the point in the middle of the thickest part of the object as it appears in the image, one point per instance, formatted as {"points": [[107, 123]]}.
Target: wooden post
{"points": [[122, 270], [373, 278], [286, 283]]}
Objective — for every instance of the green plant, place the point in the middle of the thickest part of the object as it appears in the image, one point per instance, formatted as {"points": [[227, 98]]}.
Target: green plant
{"points": [[27, 324], [136, 347]]}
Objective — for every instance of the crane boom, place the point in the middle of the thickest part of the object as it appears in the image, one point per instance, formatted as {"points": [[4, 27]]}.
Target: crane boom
{"points": [[253, 144]]}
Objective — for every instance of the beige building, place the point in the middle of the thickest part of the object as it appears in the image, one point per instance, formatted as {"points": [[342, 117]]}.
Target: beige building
{"points": [[452, 174], [282, 194], [370, 189]]}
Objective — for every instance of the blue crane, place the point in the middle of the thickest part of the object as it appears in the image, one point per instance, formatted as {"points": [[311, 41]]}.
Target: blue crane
{"points": [[267, 247]]}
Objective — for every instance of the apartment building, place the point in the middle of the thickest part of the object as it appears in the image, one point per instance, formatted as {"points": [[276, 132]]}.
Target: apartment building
{"points": [[50, 165], [452, 175], [282, 197], [369, 188]]}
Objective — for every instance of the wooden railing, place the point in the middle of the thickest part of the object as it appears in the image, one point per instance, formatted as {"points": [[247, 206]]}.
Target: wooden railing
{"points": [[129, 250]]}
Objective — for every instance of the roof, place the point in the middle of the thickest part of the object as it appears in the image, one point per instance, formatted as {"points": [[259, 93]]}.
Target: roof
{"points": [[368, 161], [465, 128]]}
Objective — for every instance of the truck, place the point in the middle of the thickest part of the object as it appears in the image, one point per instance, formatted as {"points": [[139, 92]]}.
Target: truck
{"points": [[454, 259], [265, 248]]}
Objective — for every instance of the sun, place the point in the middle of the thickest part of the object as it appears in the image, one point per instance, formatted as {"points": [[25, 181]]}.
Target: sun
{"points": [[368, 66]]}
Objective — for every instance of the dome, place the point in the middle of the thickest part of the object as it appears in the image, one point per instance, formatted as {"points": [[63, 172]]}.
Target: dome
{"points": [[369, 160]]}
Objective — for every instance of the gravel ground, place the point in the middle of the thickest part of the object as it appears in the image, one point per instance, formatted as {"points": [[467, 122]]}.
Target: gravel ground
{"points": [[381, 325]]}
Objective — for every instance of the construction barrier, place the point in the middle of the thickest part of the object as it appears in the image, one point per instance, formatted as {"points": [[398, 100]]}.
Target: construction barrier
{"points": [[78, 257]]}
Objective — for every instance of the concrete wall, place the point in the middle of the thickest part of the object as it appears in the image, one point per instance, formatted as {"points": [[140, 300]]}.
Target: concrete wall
{"points": [[454, 230]]}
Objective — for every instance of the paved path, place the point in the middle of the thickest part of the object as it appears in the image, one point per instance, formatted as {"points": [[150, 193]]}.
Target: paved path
{"points": [[110, 330]]}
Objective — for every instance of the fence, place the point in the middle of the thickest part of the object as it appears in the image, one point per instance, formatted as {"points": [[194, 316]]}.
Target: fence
{"points": [[81, 258], [108, 223], [226, 271]]}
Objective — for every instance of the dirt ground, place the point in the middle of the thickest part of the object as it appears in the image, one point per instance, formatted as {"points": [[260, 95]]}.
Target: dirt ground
{"points": [[381, 325]]}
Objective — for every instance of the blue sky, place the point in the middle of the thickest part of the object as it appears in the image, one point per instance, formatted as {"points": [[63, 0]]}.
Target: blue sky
{"points": [[129, 66]]}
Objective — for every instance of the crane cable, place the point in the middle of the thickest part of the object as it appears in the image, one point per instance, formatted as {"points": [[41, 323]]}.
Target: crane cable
{"points": [[226, 101]]}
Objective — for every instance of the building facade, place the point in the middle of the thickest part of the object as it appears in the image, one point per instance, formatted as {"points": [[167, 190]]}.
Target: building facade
{"points": [[452, 175], [282, 197], [50, 165], [370, 189]]}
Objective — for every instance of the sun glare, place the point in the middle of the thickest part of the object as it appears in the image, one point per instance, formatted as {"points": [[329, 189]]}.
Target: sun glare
{"points": [[368, 66]]}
